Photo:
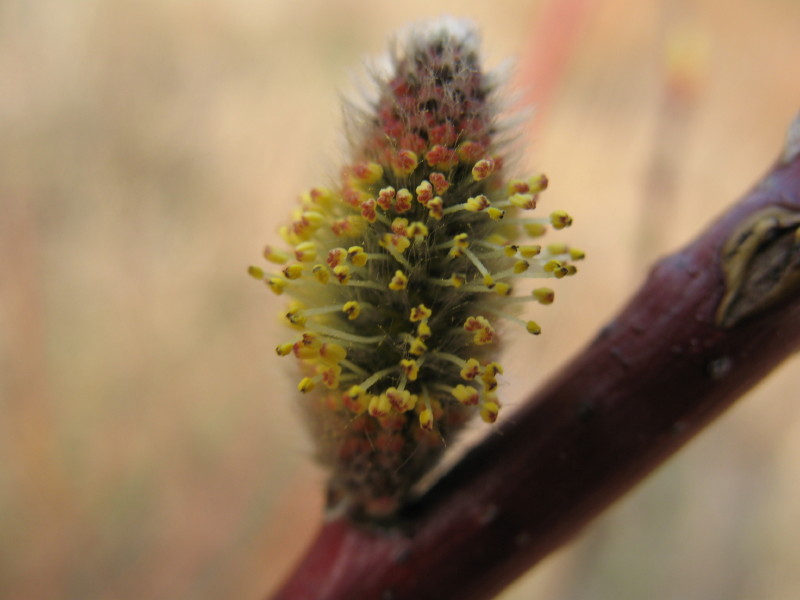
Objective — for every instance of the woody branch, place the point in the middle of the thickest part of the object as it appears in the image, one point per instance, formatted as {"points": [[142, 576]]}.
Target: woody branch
{"points": [[710, 322]]}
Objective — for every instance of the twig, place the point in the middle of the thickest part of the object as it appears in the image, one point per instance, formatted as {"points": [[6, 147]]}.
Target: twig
{"points": [[710, 322]]}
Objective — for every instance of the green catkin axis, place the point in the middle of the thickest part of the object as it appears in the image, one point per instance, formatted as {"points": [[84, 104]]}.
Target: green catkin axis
{"points": [[399, 275]]}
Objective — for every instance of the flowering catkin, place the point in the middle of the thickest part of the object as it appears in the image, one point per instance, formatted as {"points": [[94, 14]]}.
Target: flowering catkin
{"points": [[399, 275]]}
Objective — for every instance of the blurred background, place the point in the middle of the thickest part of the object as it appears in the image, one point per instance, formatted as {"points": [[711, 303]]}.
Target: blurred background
{"points": [[148, 148]]}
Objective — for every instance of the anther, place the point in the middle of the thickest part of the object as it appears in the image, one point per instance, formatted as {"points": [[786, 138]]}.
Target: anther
{"points": [[385, 197], [440, 183], [342, 274], [544, 295], [489, 411], [424, 192], [402, 201], [523, 201], [482, 328], [277, 285], [352, 309], [482, 169], [293, 271], [465, 394], [321, 273], [435, 208], [419, 313], [256, 272], [399, 281], [275, 255], [404, 163], [368, 173], [357, 256], [410, 367], [560, 219]]}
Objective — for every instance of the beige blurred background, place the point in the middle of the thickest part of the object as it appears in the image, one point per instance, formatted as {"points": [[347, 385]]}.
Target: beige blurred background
{"points": [[148, 148]]}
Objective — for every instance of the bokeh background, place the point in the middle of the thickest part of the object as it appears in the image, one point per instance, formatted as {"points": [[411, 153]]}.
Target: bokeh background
{"points": [[148, 148]]}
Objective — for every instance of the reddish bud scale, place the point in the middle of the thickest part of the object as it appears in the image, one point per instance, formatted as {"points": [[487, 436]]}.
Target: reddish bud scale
{"points": [[398, 326]]}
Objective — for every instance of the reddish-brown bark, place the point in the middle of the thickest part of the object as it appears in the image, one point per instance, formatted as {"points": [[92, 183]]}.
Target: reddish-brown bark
{"points": [[681, 351]]}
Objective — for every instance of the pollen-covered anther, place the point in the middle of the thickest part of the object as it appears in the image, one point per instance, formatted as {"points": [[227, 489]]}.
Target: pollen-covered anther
{"points": [[401, 400], [277, 285], [342, 274], [336, 256], [418, 347], [483, 169], [321, 273], [400, 226], [394, 241], [471, 369], [385, 197], [492, 370], [535, 229], [426, 419], [307, 347], [379, 406], [495, 213], [347, 227], [477, 203], [560, 219], [424, 192], [457, 280], [276, 255], [544, 295], [501, 288], [551, 266], [399, 281], [417, 230], [332, 353], [459, 244], [294, 271], [256, 272], [465, 394], [295, 317], [357, 256], [470, 151], [439, 181], [402, 201], [368, 210], [423, 330], [489, 411], [436, 208], [352, 309], [482, 328], [523, 201], [356, 399], [410, 367], [420, 313], [517, 186], [530, 251], [404, 163], [284, 349], [538, 183], [306, 385], [489, 376], [330, 376], [319, 196], [533, 327], [305, 252], [368, 173], [441, 157]]}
